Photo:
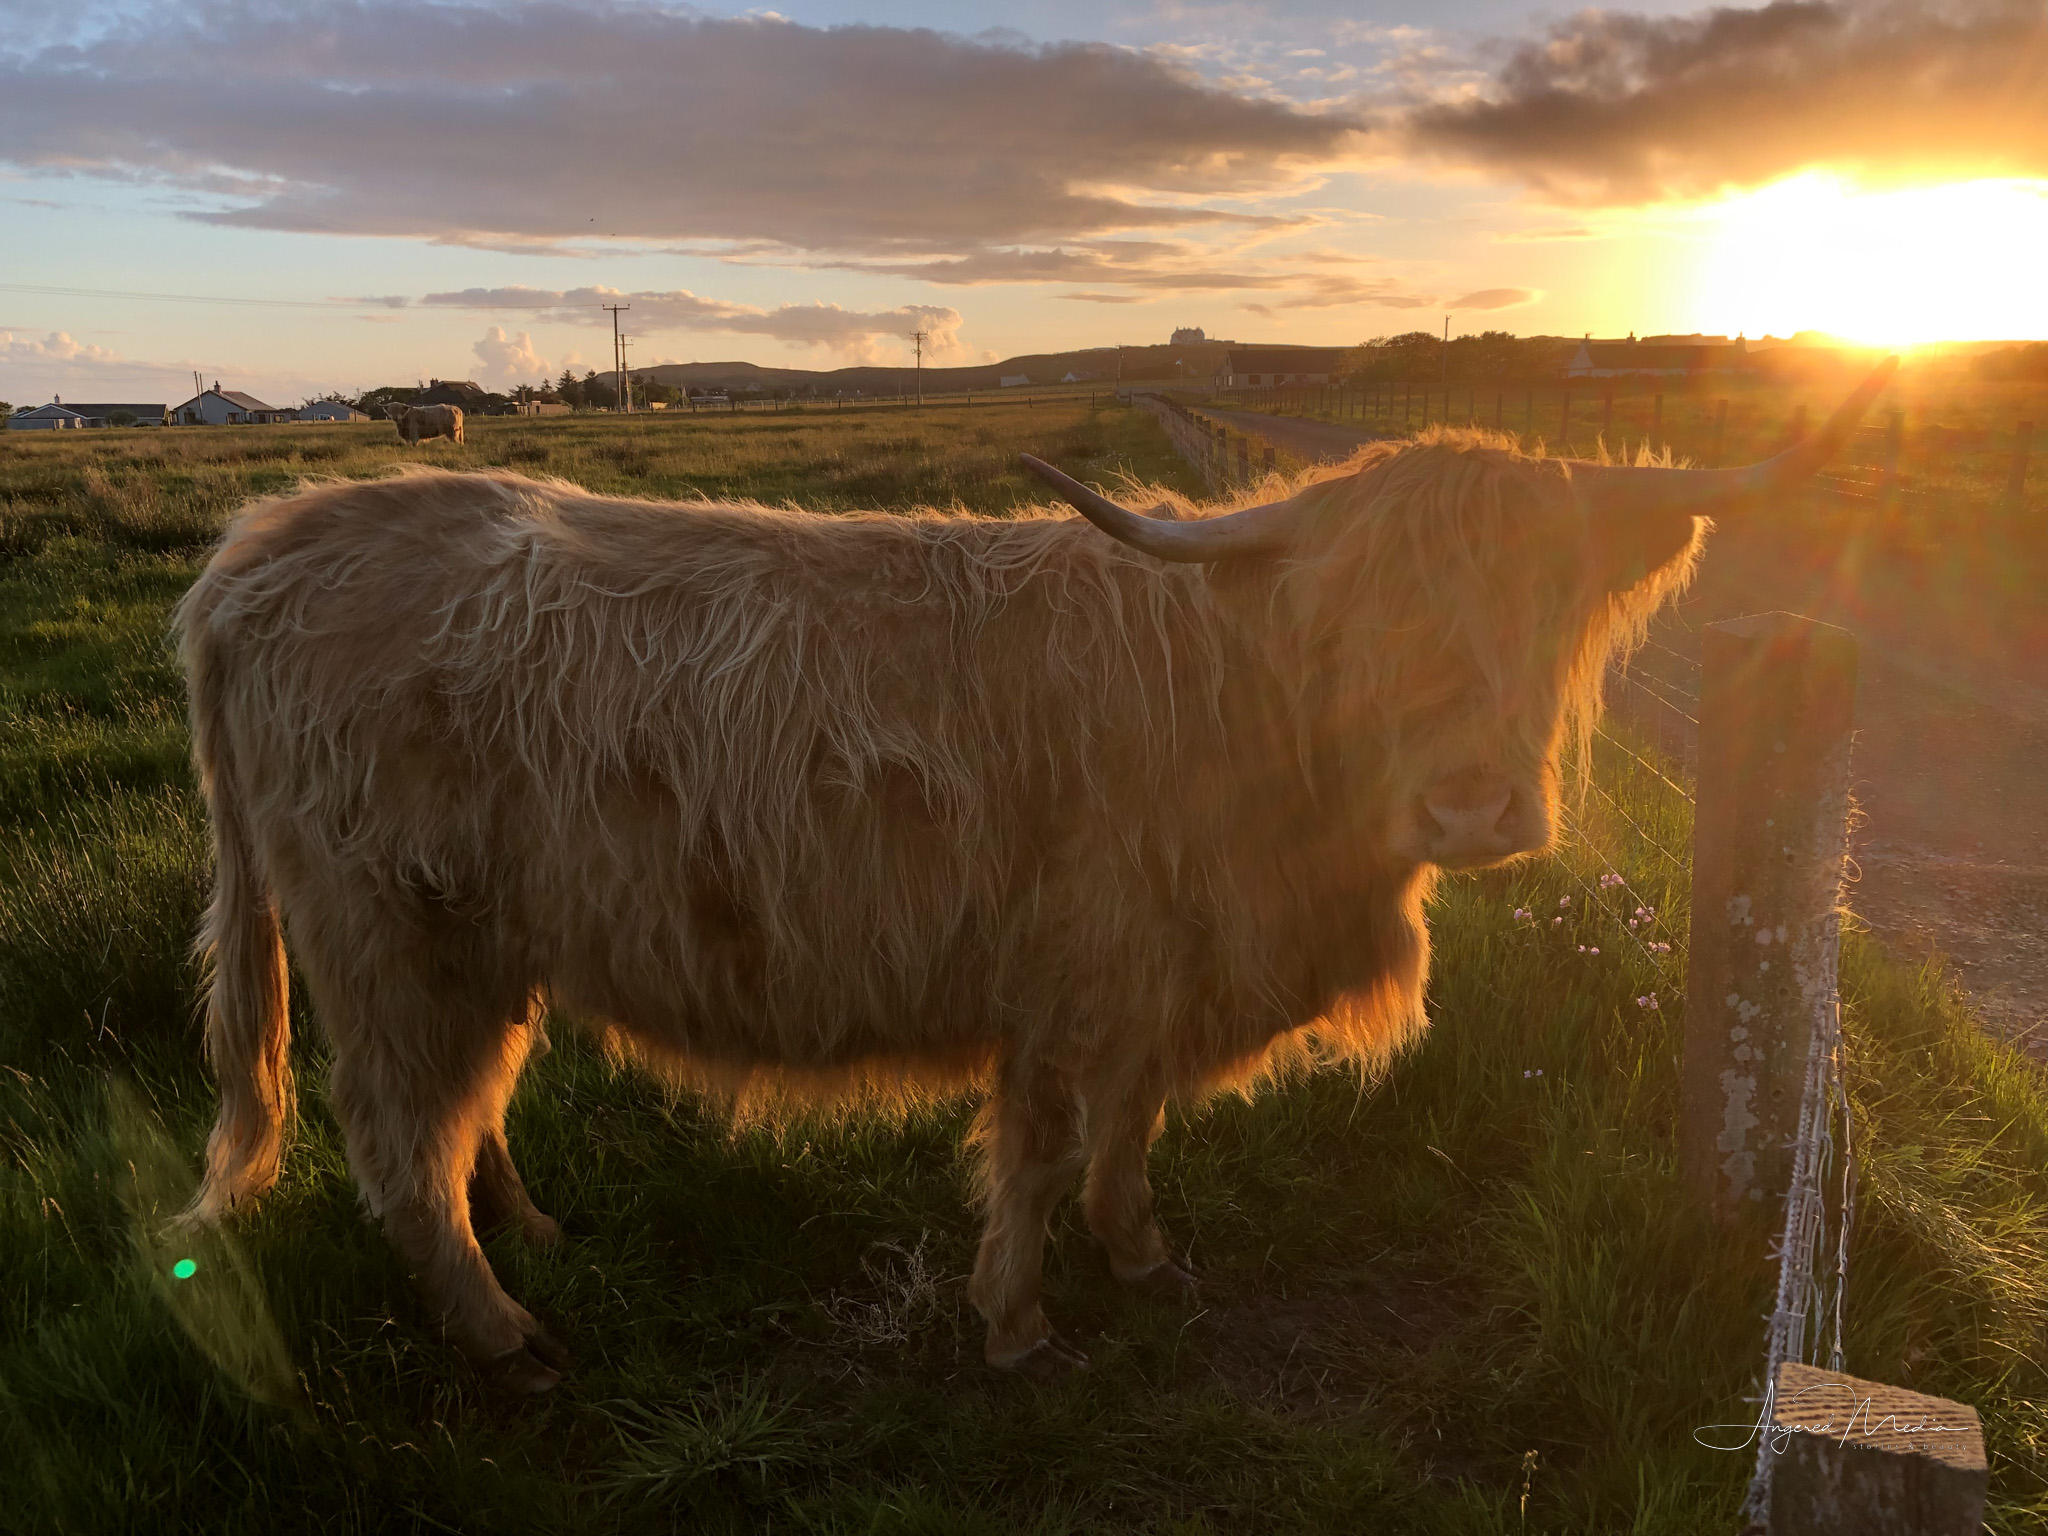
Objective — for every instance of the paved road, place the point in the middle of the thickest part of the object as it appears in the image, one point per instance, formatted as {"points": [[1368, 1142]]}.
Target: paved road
{"points": [[1317, 442], [1950, 773]]}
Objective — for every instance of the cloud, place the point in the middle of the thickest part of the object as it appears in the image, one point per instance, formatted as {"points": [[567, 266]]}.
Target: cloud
{"points": [[56, 347], [1110, 298], [522, 126], [508, 360], [1495, 298], [1620, 108], [32, 369], [851, 332]]}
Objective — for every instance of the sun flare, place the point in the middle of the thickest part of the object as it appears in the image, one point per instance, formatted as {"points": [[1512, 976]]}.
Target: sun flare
{"points": [[1960, 262]]}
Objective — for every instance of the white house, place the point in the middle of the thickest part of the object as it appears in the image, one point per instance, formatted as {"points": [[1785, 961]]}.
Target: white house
{"points": [[1656, 356], [226, 408], [1260, 366], [330, 410]]}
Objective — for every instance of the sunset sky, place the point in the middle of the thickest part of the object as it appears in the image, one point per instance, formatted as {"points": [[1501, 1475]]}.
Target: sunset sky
{"points": [[294, 199]]}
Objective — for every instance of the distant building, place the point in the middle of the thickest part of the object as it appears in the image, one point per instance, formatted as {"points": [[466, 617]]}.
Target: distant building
{"points": [[537, 408], [219, 407], [458, 392], [46, 418], [1012, 380], [1256, 367], [1656, 356], [1188, 336], [98, 414], [330, 410]]}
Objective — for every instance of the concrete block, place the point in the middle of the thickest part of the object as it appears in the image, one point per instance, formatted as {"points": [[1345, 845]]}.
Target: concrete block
{"points": [[1859, 1458]]}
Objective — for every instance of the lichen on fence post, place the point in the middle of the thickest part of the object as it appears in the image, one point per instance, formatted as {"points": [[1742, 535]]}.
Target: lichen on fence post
{"points": [[1777, 699]]}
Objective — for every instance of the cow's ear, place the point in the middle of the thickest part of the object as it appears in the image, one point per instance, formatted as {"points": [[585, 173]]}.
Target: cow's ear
{"points": [[1630, 546]]}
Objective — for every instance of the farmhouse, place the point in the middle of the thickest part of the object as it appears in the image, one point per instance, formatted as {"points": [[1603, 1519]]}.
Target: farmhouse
{"points": [[57, 415], [1254, 367], [46, 418], [1659, 356], [330, 410], [471, 398], [219, 407]]}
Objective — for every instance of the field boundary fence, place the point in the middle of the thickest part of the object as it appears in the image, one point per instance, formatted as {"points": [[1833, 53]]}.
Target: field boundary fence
{"points": [[1886, 463], [1753, 733]]}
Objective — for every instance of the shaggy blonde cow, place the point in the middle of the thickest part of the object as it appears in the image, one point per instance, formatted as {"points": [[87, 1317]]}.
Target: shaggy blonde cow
{"points": [[417, 421], [822, 813]]}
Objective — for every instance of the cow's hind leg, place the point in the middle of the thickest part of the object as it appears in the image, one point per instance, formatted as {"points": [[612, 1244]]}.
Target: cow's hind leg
{"points": [[497, 1195], [1030, 1140], [1125, 1114], [420, 1076]]}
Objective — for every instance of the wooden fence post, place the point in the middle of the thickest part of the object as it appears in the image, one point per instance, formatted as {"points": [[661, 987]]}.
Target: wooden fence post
{"points": [[1777, 703], [1720, 433], [2016, 481], [1499, 400], [1606, 414], [1564, 423], [1894, 451], [1657, 421]]}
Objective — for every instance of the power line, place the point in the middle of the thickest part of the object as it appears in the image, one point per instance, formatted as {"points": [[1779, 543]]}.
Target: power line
{"points": [[618, 353], [920, 336]]}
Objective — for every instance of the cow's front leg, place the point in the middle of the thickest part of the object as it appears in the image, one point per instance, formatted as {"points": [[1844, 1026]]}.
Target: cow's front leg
{"points": [[1125, 1114], [1029, 1136]]}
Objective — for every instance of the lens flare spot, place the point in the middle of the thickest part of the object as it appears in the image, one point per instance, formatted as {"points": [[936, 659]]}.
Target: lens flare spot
{"points": [[185, 1269]]}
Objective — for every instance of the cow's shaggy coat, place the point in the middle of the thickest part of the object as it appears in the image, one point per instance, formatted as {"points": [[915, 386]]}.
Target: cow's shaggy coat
{"points": [[819, 812], [415, 422]]}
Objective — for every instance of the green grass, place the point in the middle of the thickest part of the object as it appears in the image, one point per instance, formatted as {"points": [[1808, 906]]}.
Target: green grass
{"points": [[1410, 1284]]}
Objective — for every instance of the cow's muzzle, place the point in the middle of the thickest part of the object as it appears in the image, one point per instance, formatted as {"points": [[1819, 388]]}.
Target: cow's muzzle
{"points": [[1476, 817]]}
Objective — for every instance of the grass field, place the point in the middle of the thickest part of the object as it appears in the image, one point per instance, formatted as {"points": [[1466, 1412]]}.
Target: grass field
{"points": [[1412, 1285]]}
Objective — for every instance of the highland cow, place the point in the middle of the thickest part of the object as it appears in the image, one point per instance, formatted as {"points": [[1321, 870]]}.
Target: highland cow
{"points": [[418, 421], [827, 813]]}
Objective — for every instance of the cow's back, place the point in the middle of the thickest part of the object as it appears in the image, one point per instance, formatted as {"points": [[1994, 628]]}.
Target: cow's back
{"points": [[766, 787]]}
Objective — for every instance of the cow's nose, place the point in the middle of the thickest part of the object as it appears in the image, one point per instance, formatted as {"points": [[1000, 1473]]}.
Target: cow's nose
{"points": [[1470, 811]]}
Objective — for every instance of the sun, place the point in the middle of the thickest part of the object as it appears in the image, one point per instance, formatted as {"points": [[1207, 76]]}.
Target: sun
{"points": [[1961, 262]]}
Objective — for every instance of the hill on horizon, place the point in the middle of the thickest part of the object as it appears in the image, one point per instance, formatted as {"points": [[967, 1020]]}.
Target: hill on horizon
{"points": [[1087, 364]]}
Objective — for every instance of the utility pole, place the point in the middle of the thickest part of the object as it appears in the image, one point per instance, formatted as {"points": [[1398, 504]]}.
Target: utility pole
{"points": [[1447, 359], [625, 374], [618, 347], [919, 337]]}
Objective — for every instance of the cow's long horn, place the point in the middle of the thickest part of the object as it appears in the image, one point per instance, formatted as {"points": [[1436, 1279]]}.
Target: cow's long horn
{"points": [[1624, 488], [1253, 531]]}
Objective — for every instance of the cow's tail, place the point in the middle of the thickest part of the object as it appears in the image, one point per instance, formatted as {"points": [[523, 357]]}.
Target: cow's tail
{"points": [[248, 1027]]}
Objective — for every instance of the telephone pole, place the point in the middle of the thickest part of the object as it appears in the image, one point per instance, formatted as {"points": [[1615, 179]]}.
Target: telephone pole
{"points": [[919, 337], [1447, 360], [618, 347], [626, 374]]}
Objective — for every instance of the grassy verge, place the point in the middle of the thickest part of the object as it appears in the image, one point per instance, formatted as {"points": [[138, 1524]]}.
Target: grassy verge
{"points": [[1412, 1284]]}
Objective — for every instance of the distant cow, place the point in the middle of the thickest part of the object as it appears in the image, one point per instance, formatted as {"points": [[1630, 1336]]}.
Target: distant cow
{"points": [[418, 421], [817, 813]]}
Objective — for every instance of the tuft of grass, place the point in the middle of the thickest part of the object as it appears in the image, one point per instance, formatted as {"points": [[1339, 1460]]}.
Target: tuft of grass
{"points": [[1411, 1283]]}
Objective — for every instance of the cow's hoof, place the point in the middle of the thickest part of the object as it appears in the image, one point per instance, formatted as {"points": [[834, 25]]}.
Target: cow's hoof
{"points": [[1052, 1358], [1167, 1280], [539, 1230], [520, 1373], [550, 1351]]}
